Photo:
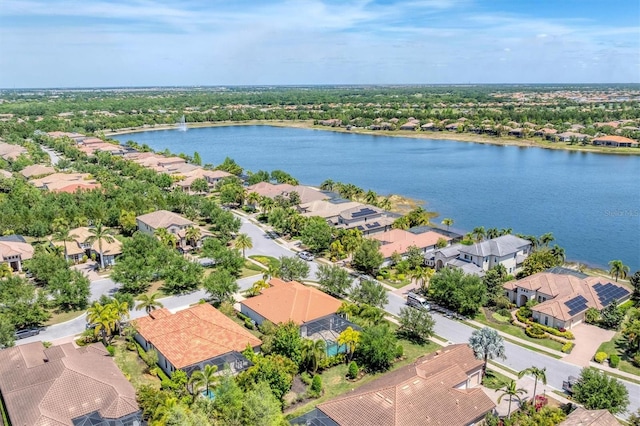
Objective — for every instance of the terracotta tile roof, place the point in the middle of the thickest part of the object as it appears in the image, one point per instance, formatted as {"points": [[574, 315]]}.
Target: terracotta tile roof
{"points": [[163, 219], [617, 139], [6, 174], [37, 170], [56, 385], [285, 301], [327, 209], [411, 396], [398, 240], [72, 187], [13, 248], [193, 335], [307, 194], [583, 417]]}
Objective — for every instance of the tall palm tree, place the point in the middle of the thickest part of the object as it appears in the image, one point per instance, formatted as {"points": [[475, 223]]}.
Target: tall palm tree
{"points": [[272, 271], [371, 197], [243, 242], [506, 231], [100, 234], [545, 239], [422, 276], [327, 185], [193, 234], [253, 198], [149, 302], [493, 233], [512, 391], [266, 204], [258, 286], [479, 233], [448, 222], [105, 318], [384, 203], [64, 235], [205, 378], [558, 253], [486, 344], [166, 237], [618, 269], [313, 352], [538, 374]]}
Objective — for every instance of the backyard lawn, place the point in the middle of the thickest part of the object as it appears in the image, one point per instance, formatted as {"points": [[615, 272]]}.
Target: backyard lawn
{"points": [[617, 345], [133, 367]]}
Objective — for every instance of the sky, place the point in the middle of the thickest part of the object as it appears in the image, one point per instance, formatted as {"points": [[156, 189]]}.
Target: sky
{"points": [[115, 43]]}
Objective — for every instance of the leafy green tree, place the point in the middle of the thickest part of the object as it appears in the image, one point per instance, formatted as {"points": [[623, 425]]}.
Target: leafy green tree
{"points": [[511, 391], [538, 261], [5, 270], [44, 264], [21, 303], [182, 276], [415, 256], [200, 185], [243, 242], [227, 405], [261, 407], [367, 257], [142, 257], [221, 285], [231, 193], [70, 290], [293, 269], [416, 324], [7, 331], [230, 166], [463, 293], [635, 283], [283, 177], [259, 176], [100, 233], [276, 370], [149, 302], [611, 316], [334, 280], [197, 160], [494, 280], [631, 332], [127, 221], [370, 293], [618, 269], [287, 342], [377, 348], [486, 344], [316, 234], [598, 391]]}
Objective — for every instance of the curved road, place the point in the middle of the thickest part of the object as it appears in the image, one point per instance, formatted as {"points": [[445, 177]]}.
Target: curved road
{"points": [[518, 358]]}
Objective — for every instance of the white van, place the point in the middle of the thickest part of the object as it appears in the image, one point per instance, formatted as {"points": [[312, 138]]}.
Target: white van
{"points": [[417, 301]]}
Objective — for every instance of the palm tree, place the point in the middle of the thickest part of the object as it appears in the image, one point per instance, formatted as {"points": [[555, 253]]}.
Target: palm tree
{"points": [[512, 391], [487, 344], [313, 352], [253, 198], [371, 197], [327, 185], [105, 318], [447, 221], [558, 253], [266, 204], [100, 234], [618, 269], [506, 231], [243, 242], [64, 235], [493, 233], [545, 239], [205, 378], [631, 332], [384, 203], [272, 271], [165, 237], [258, 286], [422, 276], [193, 234], [538, 374], [149, 302], [479, 233]]}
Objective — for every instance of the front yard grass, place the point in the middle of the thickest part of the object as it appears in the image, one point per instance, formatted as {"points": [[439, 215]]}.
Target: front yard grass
{"points": [[265, 260], [494, 380], [133, 368], [517, 332], [617, 345], [250, 269], [60, 317]]}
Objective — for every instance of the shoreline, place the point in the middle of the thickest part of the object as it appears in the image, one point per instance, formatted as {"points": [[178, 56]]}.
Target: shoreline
{"points": [[441, 135]]}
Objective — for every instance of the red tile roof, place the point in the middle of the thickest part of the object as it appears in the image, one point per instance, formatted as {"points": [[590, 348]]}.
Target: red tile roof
{"points": [[399, 240], [292, 301], [193, 335]]}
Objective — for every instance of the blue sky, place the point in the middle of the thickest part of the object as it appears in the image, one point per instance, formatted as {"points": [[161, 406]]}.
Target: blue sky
{"points": [[80, 43]]}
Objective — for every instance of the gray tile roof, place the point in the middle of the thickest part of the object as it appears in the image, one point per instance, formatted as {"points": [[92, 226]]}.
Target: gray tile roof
{"points": [[501, 246]]}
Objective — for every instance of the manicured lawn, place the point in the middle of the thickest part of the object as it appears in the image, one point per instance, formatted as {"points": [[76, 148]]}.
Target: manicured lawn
{"points": [[133, 367], [250, 269], [494, 380], [60, 317], [517, 332], [396, 284], [617, 345], [265, 260]]}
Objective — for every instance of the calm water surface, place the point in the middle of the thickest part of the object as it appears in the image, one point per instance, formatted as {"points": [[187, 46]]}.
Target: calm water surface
{"points": [[590, 202]]}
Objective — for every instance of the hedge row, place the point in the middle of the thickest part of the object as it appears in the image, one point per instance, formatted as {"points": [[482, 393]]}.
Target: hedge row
{"points": [[567, 347], [567, 334]]}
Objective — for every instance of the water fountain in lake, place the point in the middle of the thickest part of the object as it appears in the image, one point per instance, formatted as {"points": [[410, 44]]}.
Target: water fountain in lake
{"points": [[182, 124]]}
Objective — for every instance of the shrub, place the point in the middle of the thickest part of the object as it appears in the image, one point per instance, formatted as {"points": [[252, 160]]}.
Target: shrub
{"points": [[268, 328], [316, 385], [353, 370], [306, 378], [400, 277], [242, 316], [81, 342], [399, 351], [567, 347], [504, 312], [535, 331], [503, 302], [249, 324], [600, 357], [46, 344], [614, 360], [111, 350], [331, 361], [636, 359]]}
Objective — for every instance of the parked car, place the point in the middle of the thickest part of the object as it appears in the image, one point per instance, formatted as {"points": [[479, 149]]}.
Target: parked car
{"points": [[567, 385], [305, 255], [27, 332], [417, 301]]}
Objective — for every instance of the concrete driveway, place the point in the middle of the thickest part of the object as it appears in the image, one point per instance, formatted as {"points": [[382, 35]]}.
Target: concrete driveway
{"points": [[588, 339], [89, 269]]}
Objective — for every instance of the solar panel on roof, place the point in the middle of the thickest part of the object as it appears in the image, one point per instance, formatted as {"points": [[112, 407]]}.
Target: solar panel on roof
{"points": [[609, 292], [576, 305]]}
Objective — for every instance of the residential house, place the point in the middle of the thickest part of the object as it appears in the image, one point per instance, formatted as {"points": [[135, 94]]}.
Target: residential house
{"points": [[583, 417], [429, 127], [546, 132], [439, 389], [518, 132], [368, 219], [452, 127], [6, 174], [80, 247], [65, 385], [562, 298], [174, 223], [211, 176], [37, 170], [307, 194], [617, 141], [77, 137], [11, 152], [66, 182], [411, 125], [328, 210], [399, 241], [507, 250], [192, 338], [570, 136], [14, 250], [334, 122], [310, 308]]}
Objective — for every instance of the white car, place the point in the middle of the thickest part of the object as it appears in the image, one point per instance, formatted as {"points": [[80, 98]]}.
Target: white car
{"points": [[305, 255]]}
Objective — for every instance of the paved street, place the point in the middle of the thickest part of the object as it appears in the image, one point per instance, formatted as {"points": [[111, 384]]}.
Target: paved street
{"points": [[518, 358]]}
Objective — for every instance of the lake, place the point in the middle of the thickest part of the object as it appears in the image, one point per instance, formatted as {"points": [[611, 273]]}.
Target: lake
{"points": [[590, 202]]}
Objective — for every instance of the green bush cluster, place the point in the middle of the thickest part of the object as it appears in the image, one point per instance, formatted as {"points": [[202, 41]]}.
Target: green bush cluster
{"points": [[614, 361], [331, 361], [535, 331], [636, 359], [567, 334], [567, 347], [601, 357], [316, 386], [504, 312], [306, 378], [399, 350], [353, 370]]}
